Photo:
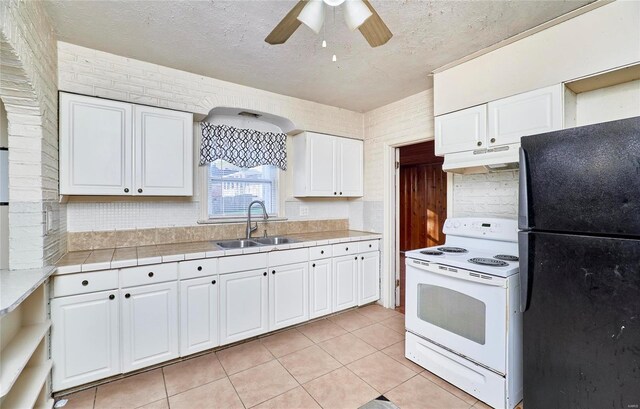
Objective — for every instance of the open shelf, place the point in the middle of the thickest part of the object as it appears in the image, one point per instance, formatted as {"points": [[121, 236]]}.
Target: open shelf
{"points": [[17, 353], [26, 390]]}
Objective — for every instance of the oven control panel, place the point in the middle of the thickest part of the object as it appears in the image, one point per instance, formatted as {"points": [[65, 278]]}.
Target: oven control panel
{"points": [[487, 228]]}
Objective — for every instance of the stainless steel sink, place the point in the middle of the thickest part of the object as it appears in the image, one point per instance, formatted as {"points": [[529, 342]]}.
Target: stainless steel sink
{"points": [[237, 244], [275, 240]]}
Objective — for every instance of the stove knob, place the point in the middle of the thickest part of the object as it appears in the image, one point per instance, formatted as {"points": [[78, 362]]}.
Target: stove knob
{"points": [[447, 224], [456, 225]]}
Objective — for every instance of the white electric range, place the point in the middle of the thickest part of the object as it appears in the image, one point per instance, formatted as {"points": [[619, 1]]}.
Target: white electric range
{"points": [[462, 309]]}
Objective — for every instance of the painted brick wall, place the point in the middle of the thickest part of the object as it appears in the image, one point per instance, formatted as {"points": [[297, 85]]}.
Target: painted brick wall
{"points": [[490, 194], [29, 91]]}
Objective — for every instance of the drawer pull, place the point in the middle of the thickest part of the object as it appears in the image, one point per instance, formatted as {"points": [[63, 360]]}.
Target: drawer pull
{"points": [[321, 251], [356, 257], [213, 282], [264, 274], [150, 274], [313, 265], [346, 249], [370, 245], [362, 258], [112, 297], [127, 295], [199, 268], [273, 272], [85, 283]]}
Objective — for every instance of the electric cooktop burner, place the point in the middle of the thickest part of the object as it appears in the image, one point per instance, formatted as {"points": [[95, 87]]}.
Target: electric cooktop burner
{"points": [[453, 249], [431, 252], [506, 257], [488, 262]]}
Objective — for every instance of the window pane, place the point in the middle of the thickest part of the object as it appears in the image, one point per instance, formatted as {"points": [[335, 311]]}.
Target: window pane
{"points": [[231, 189]]}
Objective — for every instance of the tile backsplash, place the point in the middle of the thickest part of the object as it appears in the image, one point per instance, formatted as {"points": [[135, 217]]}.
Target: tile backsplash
{"points": [[92, 240]]}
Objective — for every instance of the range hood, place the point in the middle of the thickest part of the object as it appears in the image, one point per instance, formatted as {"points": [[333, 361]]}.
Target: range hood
{"points": [[495, 159]]}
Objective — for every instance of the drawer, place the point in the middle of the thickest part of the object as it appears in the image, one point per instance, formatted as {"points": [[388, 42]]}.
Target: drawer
{"points": [[242, 263], [71, 284], [198, 268], [316, 253], [151, 274], [344, 249], [369, 245], [283, 257]]}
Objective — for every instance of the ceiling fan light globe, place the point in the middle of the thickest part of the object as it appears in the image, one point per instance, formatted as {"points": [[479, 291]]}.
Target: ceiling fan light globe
{"points": [[312, 15], [356, 13], [333, 3]]}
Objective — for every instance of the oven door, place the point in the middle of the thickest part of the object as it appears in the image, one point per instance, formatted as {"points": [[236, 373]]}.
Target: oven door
{"points": [[459, 310]]}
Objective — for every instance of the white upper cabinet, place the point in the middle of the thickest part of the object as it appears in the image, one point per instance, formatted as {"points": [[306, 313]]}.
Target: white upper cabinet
{"points": [[525, 114], [463, 130], [95, 146], [327, 166], [500, 122], [116, 148], [164, 147]]}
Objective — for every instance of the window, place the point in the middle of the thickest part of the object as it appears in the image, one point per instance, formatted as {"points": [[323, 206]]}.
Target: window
{"points": [[232, 188]]}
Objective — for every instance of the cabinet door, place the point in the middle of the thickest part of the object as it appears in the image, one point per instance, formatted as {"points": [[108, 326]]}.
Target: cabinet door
{"points": [[461, 131], [164, 152], [529, 113], [320, 288], [345, 282], [85, 338], [350, 167], [198, 314], [95, 146], [244, 305], [369, 278], [321, 165], [288, 295], [149, 325]]}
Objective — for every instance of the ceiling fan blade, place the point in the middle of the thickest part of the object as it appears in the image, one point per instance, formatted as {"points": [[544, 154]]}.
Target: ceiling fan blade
{"points": [[287, 26], [374, 30]]}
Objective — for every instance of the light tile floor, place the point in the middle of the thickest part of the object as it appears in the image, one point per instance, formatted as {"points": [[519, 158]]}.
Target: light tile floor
{"points": [[341, 362]]}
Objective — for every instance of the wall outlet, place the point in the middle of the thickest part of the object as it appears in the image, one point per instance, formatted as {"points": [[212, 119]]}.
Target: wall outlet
{"points": [[304, 210]]}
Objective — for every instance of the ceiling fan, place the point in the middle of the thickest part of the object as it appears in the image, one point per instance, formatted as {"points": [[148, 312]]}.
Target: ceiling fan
{"points": [[358, 14]]}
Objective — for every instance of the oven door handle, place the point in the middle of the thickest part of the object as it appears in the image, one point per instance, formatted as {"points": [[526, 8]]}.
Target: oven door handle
{"points": [[457, 273]]}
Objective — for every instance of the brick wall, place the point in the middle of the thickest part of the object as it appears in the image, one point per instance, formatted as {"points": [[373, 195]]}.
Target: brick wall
{"points": [[490, 194], [28, 66]]}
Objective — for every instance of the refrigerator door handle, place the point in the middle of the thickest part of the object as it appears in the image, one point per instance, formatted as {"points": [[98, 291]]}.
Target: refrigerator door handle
{"points": [[525, 278], [523, 193]]}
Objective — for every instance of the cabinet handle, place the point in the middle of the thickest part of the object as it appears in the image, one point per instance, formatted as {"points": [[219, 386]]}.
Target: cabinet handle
{"points": [[335, 193], [85, 282], [321, 251], [273, 272], [479, 143], [264, 274], [356, 257], [340, 193], [313, 265], [213, 282], [127, 295], [126, 190], [362, 258], [199, 268], [346, 249], [139, 190], [370, 245], [150, 274], [112, 297], [493, 140]]}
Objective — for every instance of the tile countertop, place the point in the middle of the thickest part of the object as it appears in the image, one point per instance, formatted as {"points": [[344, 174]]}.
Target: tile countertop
{"points": [[17, 285], [81, 261]]}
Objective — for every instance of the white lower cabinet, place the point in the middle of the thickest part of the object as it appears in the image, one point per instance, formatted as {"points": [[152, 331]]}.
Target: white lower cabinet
{"points": [[288, 295], [85, 338], [149, 325], [345, 282], [320, 288], [244, 305], [368, 278], [198, 314]]}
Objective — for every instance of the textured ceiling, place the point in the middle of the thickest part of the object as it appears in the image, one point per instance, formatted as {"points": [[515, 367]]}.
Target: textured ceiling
{"points": [[225, 40]]}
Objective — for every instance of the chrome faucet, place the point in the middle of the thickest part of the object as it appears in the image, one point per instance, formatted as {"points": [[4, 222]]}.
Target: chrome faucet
{"points": [[265, 216]]}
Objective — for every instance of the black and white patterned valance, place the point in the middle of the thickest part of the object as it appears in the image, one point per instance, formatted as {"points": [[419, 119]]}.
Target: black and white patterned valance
{"points": [[245, 148]]}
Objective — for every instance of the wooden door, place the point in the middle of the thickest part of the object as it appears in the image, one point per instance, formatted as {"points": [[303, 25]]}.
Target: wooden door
{"points": [[288, 295], [149, 325], [164, 153], [422, 201], [96, 150]]}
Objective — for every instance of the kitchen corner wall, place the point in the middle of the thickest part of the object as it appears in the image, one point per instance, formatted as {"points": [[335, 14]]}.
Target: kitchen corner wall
{"points": [[29, 92], [92, 72]]}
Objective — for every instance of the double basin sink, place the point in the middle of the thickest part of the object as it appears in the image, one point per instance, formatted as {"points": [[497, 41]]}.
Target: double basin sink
{"points": [[264, 241]]}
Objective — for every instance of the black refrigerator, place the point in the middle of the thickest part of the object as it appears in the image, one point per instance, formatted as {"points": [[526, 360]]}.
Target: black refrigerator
{"points": [[579, 220]]}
